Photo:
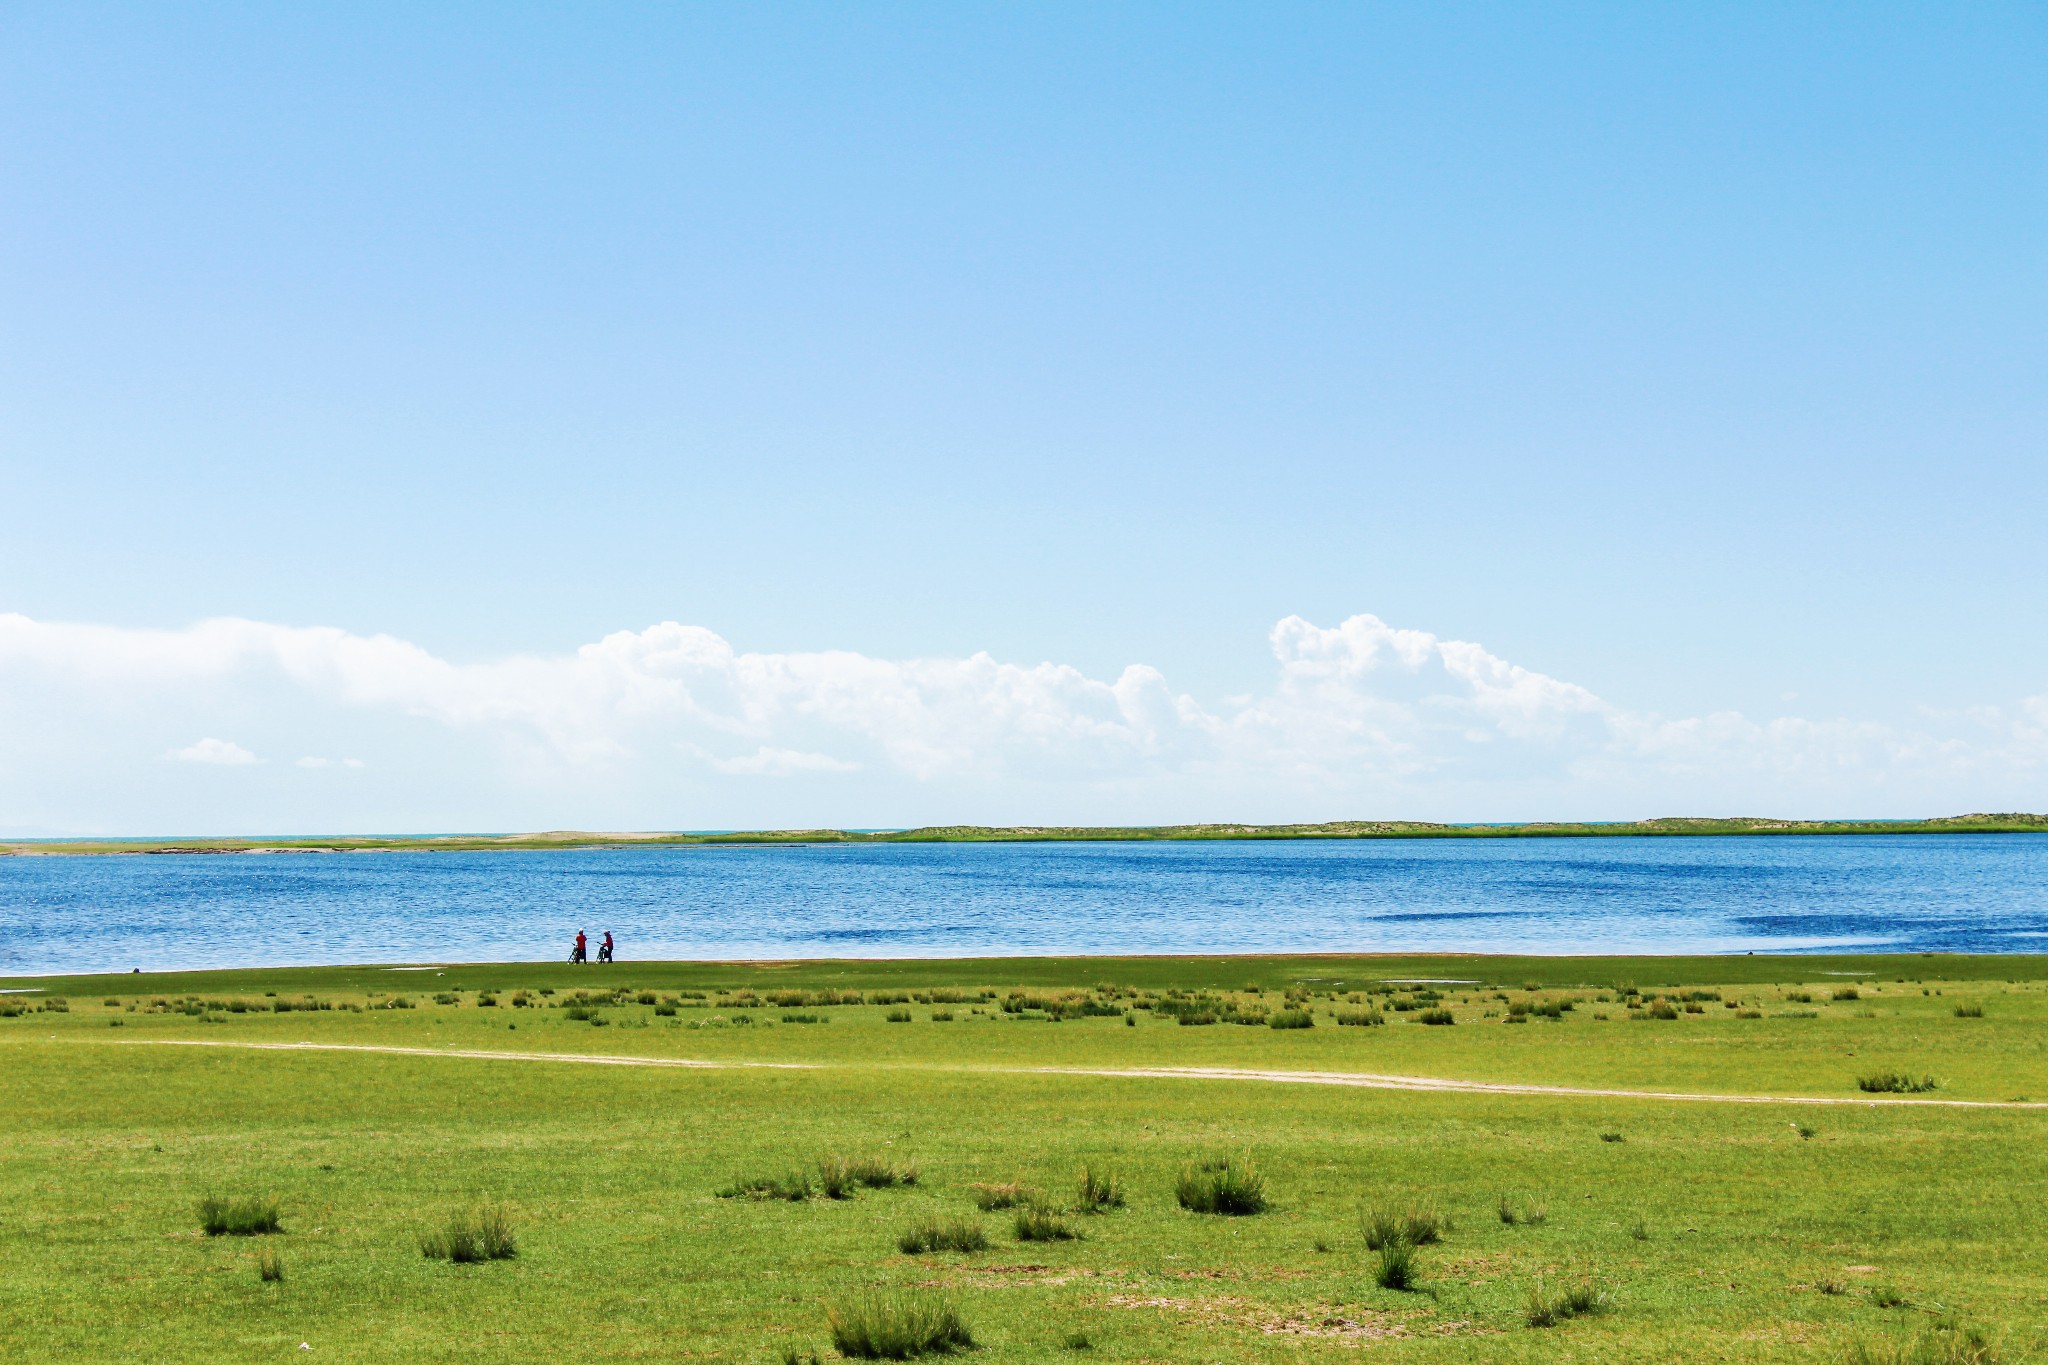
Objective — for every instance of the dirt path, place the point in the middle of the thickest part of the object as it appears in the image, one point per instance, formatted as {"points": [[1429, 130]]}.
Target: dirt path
{"points": [[1360, 1079]]}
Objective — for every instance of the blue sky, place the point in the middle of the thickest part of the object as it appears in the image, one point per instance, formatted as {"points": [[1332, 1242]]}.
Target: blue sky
{"points": [[1690, 359]]}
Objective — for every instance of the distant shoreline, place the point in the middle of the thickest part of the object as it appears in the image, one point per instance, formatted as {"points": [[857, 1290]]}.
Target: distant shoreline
{"points": [[1224, 970], [2011, 823]]}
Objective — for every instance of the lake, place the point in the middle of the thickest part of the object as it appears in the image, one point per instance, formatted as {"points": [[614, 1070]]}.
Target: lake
{"points": [[1907, 893]]}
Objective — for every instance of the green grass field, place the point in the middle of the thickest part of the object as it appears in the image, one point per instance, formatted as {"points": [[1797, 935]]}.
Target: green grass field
{"points": [[1687, 1229]]}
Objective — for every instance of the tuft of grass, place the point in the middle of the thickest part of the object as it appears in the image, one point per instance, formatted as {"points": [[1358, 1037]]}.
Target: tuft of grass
{"points": [[896, 1327], [1419, 1225], [990, 1198], [1100, 1191], [472, 1236], [1969, 1011], [794, 1187], [1945, 1343], [1639, 1229], [1544, 1307], [1078, 1341], [1396, 1268], [1530, 1213], [1894, 1083], [1845, 993], [1436, 1016], [839, 1177], [870, 1172], [897, 1016], [834, 1181], [932, 1235], [1884, 1296], [1360, 1018], [1040, 1222], [1290, 1019], [239, 1216], [270, 1266], [1612, 1137], [1231, 1186]]}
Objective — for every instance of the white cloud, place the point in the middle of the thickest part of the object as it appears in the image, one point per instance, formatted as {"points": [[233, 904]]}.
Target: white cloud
{"points": [[1357, 718], [224, 752], [771, 762]]}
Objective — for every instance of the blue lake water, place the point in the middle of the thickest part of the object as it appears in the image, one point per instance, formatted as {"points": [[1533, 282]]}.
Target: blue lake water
{"points": [[1952, 893]]}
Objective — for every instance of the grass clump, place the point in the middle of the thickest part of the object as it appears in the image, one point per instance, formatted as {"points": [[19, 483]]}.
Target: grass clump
{"points": [[1547, 1308], [1100, 1191], [1530, 1213], [1359, 1018], [1945, 1343], [1417, 1226], [1895, 1083], [1290, 1019], [471, 1237], [1230, 1185], [1041, 1222], [990, 1198], [795, 1187], [270, 1266], [1396, 1268], [1969, 1011], [899, 1327], [864, 1172], [932, 1235], [1612, 1137], [1078, 1341], [240, 1216], [1436, 1016]]}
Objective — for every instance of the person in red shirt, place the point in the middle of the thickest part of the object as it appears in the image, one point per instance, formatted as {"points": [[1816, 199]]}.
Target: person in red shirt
{"points": [[604, 949], [582, 951]]}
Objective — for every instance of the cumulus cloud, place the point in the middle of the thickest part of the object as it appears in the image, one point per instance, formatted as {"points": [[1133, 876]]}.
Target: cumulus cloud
{"points": [[223, 752], [1359, 712]]}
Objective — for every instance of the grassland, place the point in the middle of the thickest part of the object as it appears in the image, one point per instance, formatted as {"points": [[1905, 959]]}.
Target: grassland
{"points": [[616, 1196], [2011, 823]]}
